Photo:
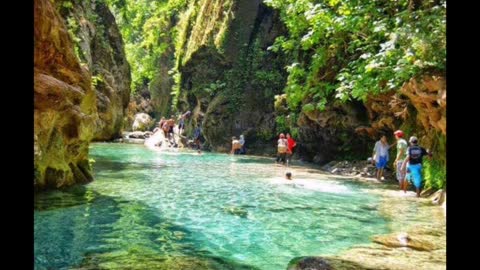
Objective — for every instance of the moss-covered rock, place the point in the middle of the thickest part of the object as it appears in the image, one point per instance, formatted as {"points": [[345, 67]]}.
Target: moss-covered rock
{"points": [[227, 78], [100, 46], [330, 134], [64, 104]]}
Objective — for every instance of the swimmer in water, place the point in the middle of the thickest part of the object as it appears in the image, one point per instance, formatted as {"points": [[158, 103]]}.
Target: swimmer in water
{"points": [[288, 175]]}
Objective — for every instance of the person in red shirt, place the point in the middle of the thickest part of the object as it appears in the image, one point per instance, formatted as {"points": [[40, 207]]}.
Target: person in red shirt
{"points": [[291, 145]]}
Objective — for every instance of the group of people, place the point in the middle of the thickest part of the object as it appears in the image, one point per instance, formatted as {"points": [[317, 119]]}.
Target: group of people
{"points": [[285, 148], [167, 126], [408, 161]]}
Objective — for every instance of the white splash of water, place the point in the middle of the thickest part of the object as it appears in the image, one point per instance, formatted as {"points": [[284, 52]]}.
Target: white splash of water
{"points": [[311, 184]]}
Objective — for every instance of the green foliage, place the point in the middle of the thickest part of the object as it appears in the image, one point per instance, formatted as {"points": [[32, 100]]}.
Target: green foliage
{"points": [[287, 124], [357, 47], [147, 30], [434, 169], [250, 72], [215, 87], [281, 124], [73, 28], [67, 5], [91, 162], [265, 134], [97, 79], [177, 78], [294, 132], [435, 173]]}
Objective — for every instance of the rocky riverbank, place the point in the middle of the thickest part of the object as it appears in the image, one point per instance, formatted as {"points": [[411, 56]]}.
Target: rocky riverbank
{"points": [[358, 168], [417, 239]]}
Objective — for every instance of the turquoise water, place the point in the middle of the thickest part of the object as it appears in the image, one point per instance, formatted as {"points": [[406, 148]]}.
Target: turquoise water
{"points": [[148, 209]]}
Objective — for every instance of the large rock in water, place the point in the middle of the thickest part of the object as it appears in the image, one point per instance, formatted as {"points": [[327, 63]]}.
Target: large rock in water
{"points": [[308, 263], [142, 122], [138, 103], [99, 44], [321, 263], [64, 104]]}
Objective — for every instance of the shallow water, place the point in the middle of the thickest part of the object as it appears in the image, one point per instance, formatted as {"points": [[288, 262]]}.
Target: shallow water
{"points": [[152, 209]]}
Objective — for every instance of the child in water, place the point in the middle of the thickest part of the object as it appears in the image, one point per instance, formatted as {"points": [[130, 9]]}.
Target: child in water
{"points": [[288, 175]]}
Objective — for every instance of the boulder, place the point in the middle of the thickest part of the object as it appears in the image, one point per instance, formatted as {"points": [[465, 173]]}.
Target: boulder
{"points": [[142, 122]]}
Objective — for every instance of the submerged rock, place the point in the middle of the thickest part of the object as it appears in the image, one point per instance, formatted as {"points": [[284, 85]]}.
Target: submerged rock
{"points": [[308, 263], [323, 263], [236, 211]]}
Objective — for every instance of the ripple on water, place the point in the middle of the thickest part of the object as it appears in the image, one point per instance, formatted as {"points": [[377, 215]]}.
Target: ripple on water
{"points": [[159, 209]]}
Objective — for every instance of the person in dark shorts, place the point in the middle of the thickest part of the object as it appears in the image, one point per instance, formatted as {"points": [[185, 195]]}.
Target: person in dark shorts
{"points": [[196, 136]]}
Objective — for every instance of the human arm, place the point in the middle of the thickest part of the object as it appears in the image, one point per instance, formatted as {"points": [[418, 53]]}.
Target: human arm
{"points": [[374, 150], [399, 154]]}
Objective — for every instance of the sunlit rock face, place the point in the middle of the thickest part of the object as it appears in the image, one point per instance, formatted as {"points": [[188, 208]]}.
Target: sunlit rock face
{"points": [[99, 45], [64, 104]]}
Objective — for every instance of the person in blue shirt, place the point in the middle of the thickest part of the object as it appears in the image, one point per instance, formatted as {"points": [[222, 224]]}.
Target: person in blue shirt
{"points": [[380, 155], [415, 154]]}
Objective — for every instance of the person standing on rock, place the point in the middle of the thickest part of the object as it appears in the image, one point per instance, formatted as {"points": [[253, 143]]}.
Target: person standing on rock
{"points": [[380, 155], [196, 136], [181, 122], [401, 155], [165, 128], [160, 125], [171, 135], [413, 163]]}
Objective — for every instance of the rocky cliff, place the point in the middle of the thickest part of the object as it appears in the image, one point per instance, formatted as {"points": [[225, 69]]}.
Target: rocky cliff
{"points": [[226, 77], [81, 87], [98, 43], [64, 104]]}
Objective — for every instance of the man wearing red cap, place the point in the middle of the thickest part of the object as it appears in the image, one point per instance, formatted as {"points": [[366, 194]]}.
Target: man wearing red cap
{"points": [[402, 146]]}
